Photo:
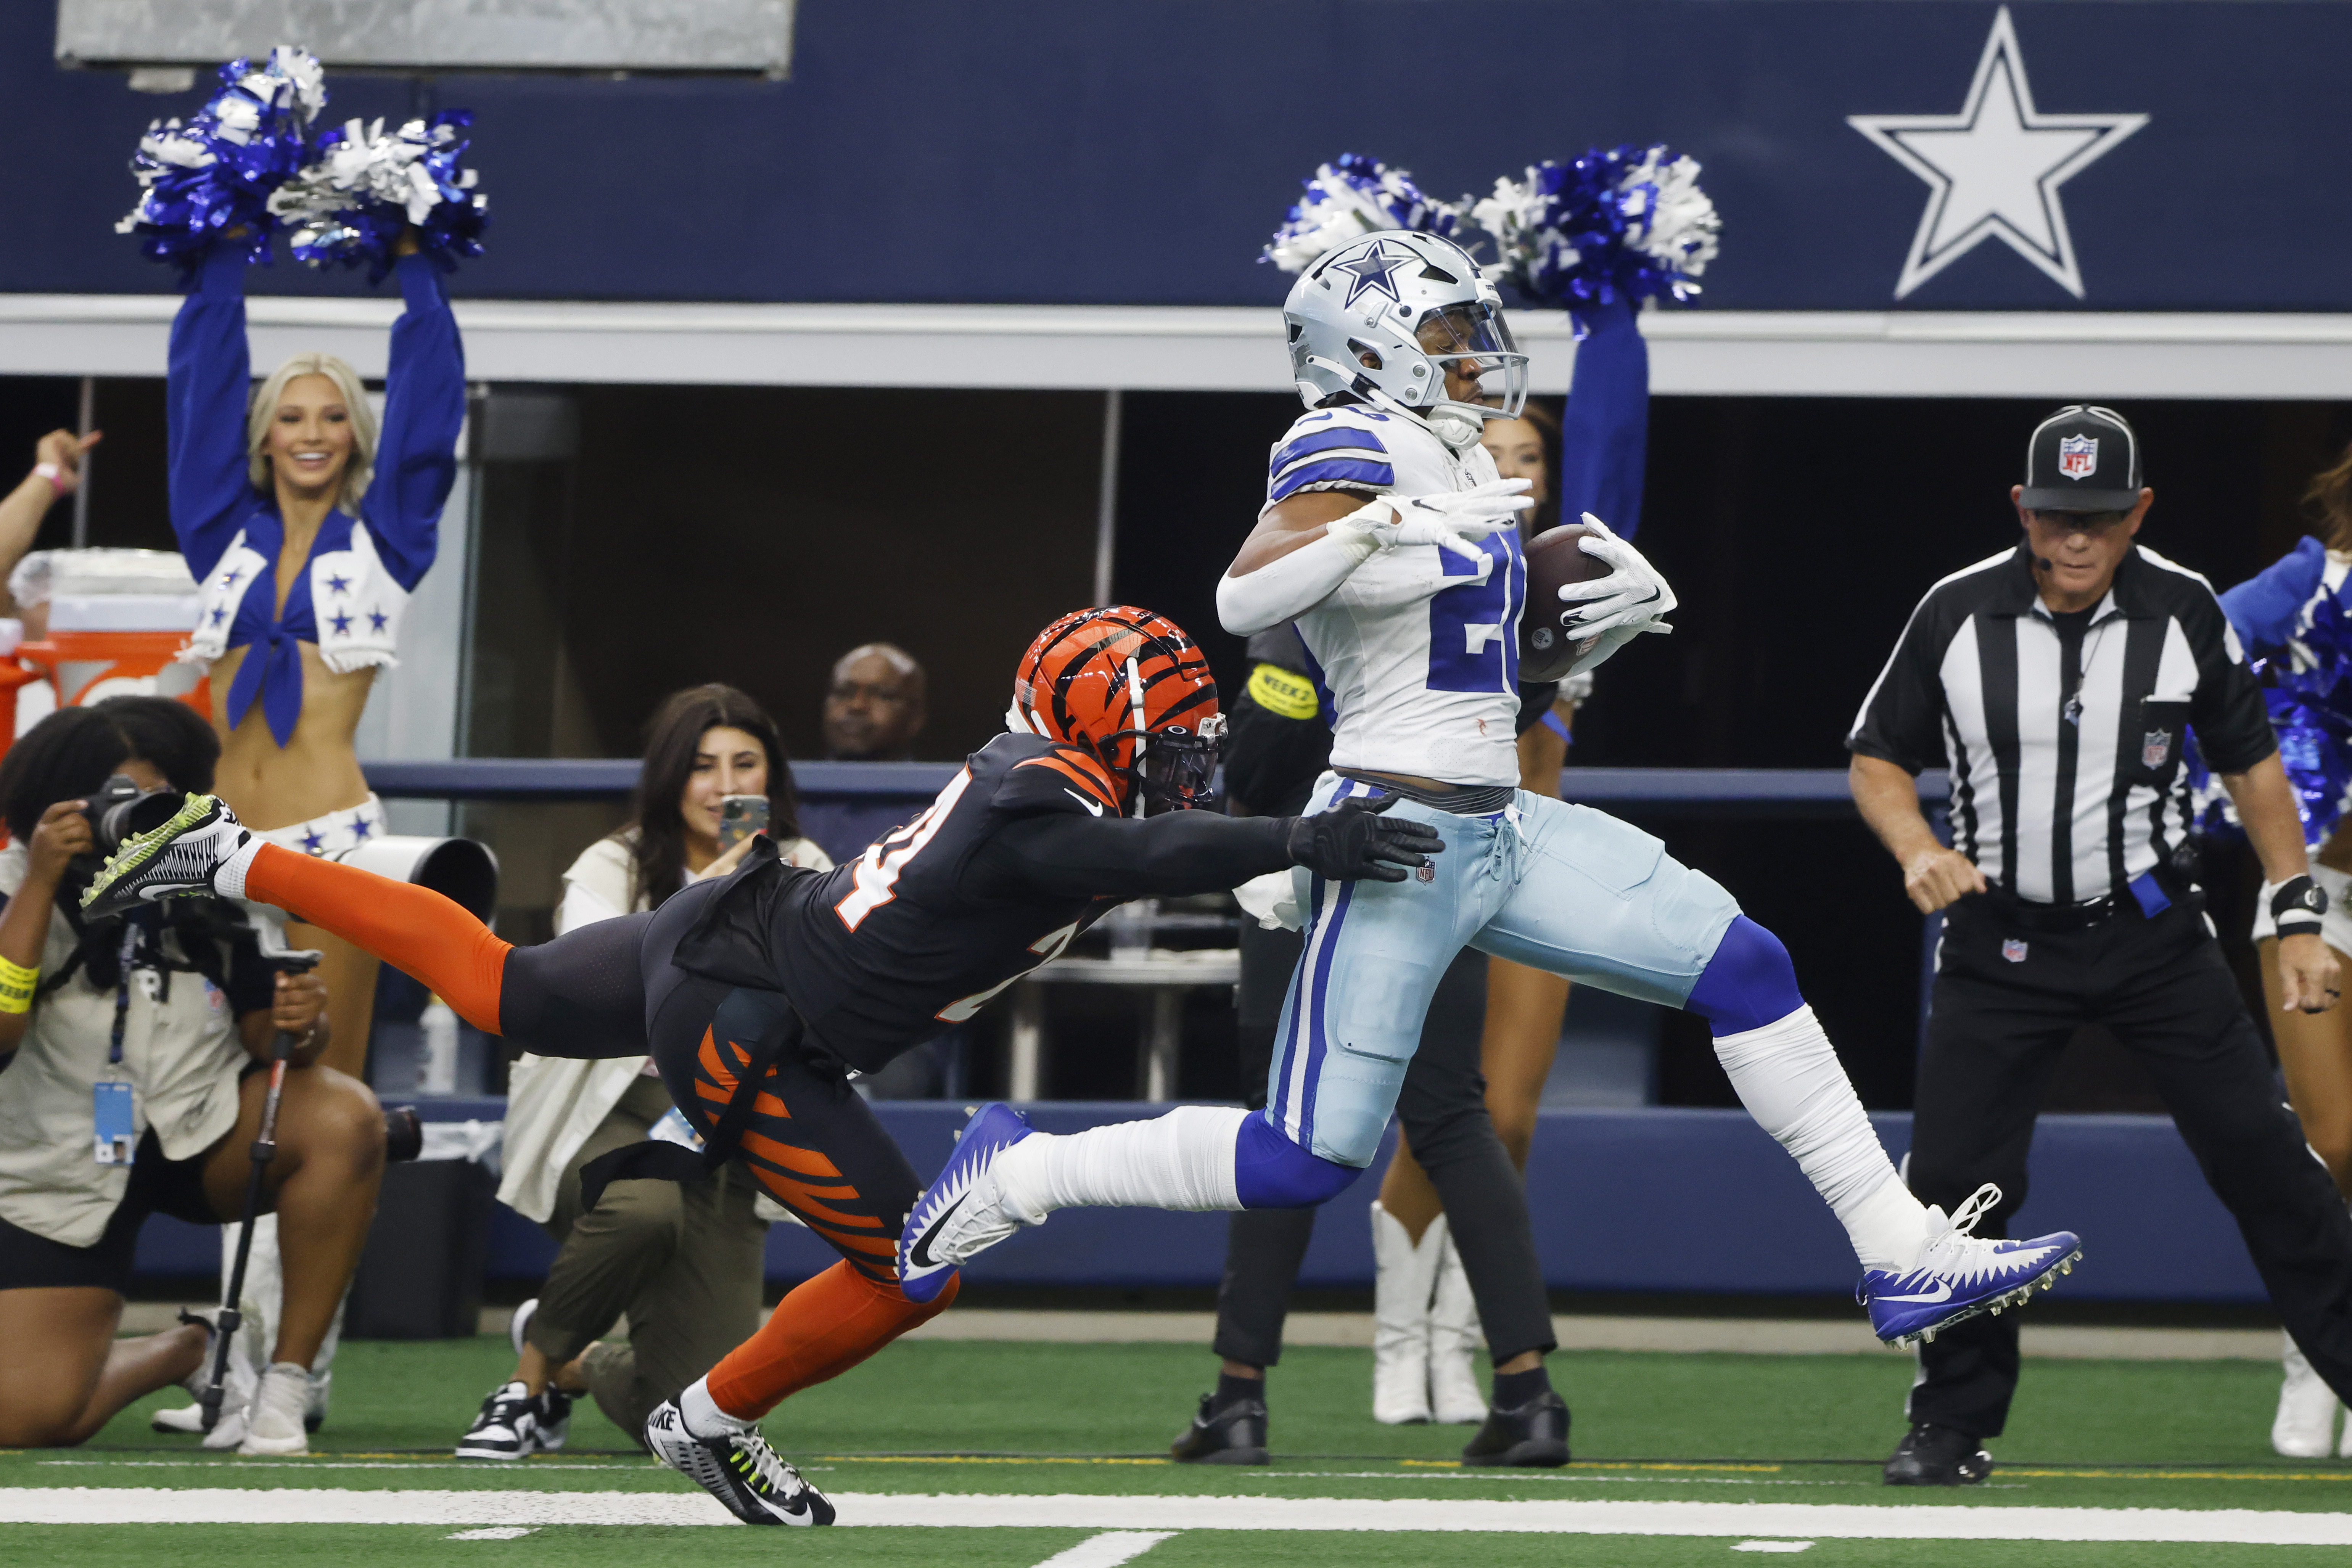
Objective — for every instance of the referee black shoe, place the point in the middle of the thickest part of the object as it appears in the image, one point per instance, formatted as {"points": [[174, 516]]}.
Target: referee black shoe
{"points": [[1932, 1455], [1533, 1436], [741, 1471], [1232, 1434]]}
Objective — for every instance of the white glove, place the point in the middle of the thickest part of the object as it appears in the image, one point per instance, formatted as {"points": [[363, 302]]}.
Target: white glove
{"points": [[1457, 521], [1633, 597]]}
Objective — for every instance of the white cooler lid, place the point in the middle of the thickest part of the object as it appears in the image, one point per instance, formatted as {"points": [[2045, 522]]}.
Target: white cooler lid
{"points": [[123, 612]]}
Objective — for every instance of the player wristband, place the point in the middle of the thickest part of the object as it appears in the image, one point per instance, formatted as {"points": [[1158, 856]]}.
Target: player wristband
{"points": [[2296, 905], [54, 474], [18, 985]]}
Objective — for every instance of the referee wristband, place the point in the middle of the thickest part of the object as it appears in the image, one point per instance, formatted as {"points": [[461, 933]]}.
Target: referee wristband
{"points": [[18, 985], [2297, 905]]}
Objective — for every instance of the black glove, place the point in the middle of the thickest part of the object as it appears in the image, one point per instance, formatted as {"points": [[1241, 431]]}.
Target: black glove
{"points": [[1351, 843]]}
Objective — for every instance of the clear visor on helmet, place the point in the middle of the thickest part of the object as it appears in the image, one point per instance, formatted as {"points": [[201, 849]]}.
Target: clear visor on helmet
{"points": [[1474, 340]]}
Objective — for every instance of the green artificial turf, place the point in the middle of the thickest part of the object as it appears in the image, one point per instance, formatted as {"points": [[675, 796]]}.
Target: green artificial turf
{"points": [[959, 1417]]}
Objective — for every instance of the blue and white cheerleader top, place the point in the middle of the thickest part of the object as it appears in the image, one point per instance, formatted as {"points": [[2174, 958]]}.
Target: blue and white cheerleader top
{"points": [[349, 599]]}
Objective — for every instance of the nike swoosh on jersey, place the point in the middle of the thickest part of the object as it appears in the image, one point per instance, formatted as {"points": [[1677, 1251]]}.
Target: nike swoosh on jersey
{"points": [[1093, 805]]}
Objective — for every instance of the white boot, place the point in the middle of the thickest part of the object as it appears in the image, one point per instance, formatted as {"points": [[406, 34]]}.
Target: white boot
{"points": [[2305, 1426], [273, 1423], [1404, 1278], [1455, 1336]]}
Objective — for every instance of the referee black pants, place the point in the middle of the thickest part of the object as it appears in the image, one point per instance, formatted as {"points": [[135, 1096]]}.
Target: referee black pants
{"points": [[1996, 1027], [1442, 1108]]}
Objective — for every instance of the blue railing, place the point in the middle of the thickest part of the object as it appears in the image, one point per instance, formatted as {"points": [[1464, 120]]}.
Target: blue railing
{"points": [[1807, 790]]}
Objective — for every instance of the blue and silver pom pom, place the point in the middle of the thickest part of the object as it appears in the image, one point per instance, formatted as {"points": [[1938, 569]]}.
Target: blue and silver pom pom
{"points": [[1347, 198], [1629, 224], [349, 207], [218, 171]]}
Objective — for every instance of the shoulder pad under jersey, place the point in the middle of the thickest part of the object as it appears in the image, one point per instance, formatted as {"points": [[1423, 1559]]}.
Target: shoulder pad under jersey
{"points": [[1056, 777], [1333, 448]]}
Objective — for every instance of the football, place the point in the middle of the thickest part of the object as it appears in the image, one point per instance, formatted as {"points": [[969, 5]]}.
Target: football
{"points": [[1554, 558]]}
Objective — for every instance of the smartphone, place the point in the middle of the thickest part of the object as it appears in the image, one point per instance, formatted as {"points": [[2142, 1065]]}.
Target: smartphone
{"points": [[740, 817]]}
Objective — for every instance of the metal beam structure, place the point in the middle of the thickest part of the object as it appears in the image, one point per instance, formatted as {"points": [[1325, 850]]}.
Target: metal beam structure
{"points": [[1826, 353]]}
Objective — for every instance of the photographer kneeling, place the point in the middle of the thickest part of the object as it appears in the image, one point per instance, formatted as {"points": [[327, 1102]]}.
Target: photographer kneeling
{"points": [[133, 1069]]}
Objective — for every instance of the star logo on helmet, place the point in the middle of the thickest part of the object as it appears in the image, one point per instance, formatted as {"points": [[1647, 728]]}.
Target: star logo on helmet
{"points": [[1373, 272]]}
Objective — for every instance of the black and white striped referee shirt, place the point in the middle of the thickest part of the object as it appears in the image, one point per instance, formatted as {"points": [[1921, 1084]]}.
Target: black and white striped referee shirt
{"points": [[2063, 732]]}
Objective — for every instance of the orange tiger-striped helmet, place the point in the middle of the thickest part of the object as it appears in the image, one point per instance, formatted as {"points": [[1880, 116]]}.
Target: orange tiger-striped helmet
{"points": [[1130, 687]]}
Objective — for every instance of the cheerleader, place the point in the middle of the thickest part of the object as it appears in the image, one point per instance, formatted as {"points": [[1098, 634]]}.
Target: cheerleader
{"points": [[308, 527], [2295, 616]]}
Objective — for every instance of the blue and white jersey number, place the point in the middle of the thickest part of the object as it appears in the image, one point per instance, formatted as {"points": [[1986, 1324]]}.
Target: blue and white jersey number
{"points": [[1474, 627]]}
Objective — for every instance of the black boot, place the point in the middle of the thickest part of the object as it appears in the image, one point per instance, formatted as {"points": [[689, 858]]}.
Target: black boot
{"points": [[1932, 1455], [1234, 1435], [1534, 1434]]}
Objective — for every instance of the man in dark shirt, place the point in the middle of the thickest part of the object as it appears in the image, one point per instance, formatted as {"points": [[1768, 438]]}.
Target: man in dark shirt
{"points": [[1277, 743]]}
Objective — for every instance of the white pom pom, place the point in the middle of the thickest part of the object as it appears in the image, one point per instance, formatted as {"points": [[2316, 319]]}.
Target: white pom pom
{"points": [[1349, 199]]}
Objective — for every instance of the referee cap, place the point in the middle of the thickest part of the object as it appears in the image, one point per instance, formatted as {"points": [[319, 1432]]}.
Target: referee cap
{"points": [[2082, 458]]}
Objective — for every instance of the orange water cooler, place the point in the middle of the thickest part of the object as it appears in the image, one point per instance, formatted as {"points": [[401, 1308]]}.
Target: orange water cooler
{"points": [[118, 618]]}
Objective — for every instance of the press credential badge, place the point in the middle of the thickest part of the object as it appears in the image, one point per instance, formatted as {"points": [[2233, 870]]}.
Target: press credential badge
{"points": [[117, 1140]]}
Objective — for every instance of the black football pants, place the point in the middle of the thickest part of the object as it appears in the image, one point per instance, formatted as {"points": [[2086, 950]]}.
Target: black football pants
{"points": [[812, 1143], [1443, 1108], [1994, 1037]]}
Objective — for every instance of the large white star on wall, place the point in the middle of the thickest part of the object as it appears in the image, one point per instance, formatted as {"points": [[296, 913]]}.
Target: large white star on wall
{"points": [[1993, 170]]}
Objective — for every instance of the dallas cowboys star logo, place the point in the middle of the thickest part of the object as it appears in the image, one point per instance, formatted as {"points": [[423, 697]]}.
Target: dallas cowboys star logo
{"points": [[1993, 170], [1372, 272]]}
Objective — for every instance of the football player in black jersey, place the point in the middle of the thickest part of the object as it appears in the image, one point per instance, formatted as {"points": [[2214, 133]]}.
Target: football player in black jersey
{"points": [[758, 993]]}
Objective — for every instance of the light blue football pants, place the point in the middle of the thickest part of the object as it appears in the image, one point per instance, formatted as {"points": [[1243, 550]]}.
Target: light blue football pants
{"points": [[1553, 886]]}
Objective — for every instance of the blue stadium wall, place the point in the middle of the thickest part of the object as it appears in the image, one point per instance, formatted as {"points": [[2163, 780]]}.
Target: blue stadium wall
{"points": [[1069, 152]]}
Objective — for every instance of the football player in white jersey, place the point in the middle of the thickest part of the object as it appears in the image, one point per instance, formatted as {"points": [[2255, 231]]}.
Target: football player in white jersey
{"points": [[1388, 539]]}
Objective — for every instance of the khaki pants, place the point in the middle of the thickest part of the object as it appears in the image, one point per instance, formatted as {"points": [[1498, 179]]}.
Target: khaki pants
{"points": [[683, 1261]]}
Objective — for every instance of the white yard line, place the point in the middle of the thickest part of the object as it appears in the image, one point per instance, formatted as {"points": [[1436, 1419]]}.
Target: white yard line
{"points": [[140, 1505], [1108, 1550]]}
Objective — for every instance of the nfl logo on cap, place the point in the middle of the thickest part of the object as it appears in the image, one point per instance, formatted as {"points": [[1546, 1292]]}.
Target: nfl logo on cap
{"points": [[2062, 470], [2012, 950]]}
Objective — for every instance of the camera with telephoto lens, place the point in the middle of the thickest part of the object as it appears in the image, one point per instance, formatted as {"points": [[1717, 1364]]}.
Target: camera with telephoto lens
{"points": [[120, 809]]}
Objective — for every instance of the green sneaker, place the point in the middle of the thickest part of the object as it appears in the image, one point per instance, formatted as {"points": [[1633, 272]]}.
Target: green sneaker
{"points": [[168, 862]]}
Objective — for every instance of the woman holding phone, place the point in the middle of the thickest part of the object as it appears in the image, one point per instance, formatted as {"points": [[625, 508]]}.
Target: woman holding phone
{"points": [[683, 1262]]}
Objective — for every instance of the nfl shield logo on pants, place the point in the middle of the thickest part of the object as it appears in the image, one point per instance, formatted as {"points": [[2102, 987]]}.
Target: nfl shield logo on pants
{"points": [[2155, 748], [2078, 455], [2012, 950]]}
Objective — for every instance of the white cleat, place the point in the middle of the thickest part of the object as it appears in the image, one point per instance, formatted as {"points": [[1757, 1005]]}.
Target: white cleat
{"points": [[2304, 1427]]}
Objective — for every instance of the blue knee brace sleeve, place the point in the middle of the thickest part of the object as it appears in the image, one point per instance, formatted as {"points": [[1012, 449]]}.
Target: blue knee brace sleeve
{"points": [[1270, 1171], [1748, 983]]}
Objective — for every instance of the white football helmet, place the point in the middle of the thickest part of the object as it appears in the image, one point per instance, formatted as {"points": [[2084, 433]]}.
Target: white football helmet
{"points": [[1382, 317]]}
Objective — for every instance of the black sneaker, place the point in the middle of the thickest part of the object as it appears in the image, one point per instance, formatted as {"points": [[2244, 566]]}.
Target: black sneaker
{"points": [[507, 1428], [741, 1471], [1931, 1456], [1233, 1435], [554, 1419], [1533, 1436]]}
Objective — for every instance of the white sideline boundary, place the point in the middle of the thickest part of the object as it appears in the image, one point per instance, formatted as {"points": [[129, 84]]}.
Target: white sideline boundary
{"points": [[146, 1505]]}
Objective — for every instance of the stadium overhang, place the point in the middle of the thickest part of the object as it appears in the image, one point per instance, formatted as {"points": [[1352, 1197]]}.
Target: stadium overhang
{"points": [[1840, 353]]}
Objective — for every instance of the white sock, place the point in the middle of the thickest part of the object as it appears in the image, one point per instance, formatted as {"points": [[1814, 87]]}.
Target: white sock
{"points": [[1183, 1160], [228, 878], [703, 1417], [1790, 1080]]}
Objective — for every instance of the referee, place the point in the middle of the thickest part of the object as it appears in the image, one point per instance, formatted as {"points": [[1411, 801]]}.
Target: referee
{"points": [[2057, 681]]}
